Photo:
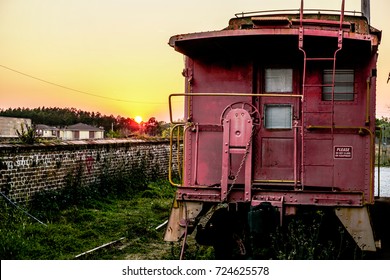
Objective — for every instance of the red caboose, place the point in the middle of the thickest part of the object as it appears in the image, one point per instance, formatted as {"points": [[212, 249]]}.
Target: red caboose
{"points": [[279, 111]]}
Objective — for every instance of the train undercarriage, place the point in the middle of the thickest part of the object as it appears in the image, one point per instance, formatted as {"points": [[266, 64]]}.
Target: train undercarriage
{"points": [[253, 230]]}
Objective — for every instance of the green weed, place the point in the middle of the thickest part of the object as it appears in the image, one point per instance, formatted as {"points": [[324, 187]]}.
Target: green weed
{"points": [[159, 189], [81, 217], [313, 235]]}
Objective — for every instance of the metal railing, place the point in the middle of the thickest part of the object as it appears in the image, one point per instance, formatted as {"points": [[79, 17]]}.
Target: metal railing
{"points": [[295, 11], [179, 140]]}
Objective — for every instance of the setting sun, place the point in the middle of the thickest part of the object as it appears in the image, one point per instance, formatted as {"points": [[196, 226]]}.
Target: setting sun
{"points": [[138, 119]]}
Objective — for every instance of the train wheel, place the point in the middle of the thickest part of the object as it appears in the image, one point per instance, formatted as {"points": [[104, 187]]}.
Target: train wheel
{"points": [[225, 231]]}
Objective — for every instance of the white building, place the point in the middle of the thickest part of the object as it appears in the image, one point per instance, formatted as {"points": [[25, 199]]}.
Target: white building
{"points": [[81, 131], [46, 131]]}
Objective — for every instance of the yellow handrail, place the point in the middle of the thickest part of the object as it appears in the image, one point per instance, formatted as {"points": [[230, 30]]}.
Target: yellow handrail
{"points": [[368, 103], [173, 128]]}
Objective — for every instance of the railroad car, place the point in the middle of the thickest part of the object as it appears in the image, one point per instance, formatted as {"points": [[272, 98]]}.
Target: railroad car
{"points": [[279, 115]]}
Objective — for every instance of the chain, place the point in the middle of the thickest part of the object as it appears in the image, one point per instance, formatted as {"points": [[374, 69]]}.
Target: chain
{"points": [[248, 145], [205, 218]]}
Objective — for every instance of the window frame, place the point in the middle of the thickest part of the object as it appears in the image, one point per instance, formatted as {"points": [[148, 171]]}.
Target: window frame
{"points": [[290, 88], [343, 96], [278, 105]]}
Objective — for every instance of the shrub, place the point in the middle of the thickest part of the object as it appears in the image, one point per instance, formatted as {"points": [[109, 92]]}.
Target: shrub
{"points": [[28, 135]]}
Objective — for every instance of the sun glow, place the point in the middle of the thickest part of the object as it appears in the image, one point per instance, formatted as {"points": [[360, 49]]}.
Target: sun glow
{"points": [[138, 119]]}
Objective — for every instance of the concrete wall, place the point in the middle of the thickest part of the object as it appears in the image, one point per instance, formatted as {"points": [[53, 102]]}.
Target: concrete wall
{"points": [[8, 126], [26, 169]]}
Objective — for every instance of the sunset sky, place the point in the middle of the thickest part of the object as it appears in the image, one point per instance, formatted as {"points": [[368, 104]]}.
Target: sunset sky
{"points": [[112, 56]]}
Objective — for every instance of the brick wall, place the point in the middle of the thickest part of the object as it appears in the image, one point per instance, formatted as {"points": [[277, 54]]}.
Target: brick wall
{"points": [[26, 169]]}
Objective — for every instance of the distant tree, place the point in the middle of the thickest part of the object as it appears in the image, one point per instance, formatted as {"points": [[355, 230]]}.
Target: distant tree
{"points": [[384, 124], [127, 126], [113, 134], [60, 117], [167, 127], [163, 127], [152, 127]]}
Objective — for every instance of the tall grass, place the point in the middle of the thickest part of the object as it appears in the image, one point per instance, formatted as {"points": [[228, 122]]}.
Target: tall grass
{"points": [[80, 217], [314, 235]]}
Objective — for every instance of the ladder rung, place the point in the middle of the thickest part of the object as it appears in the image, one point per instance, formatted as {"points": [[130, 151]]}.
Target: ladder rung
{"points": [[321, 112], [318, 85], [237, 150], [318, 112], [320, 58]]}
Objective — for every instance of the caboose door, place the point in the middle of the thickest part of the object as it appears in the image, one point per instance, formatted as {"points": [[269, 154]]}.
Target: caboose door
{"points": [[277, 145]]}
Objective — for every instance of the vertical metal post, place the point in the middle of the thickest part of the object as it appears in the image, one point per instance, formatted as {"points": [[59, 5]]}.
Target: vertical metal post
{"points": [[339, 47], [295, 153], [225, 159], [300, 46], [368, 103], [342, 14], [365, 4], [300, 43], [248, 174], [301, 12], [381, 128], [196, 154]]}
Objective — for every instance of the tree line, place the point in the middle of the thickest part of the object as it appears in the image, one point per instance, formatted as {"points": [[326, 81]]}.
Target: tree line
{"points": [[61, 117]]}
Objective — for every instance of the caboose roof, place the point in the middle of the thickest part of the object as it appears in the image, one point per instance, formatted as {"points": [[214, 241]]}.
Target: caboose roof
{"points": [[244, 29]]}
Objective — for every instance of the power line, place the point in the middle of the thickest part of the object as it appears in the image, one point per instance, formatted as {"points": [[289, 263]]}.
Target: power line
{"points": [[76, 90], [21, 209]]}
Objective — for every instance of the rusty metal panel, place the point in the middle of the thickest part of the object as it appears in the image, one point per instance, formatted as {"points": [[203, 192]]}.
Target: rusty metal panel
{"points": [[274, 158], [318, 175], [206, 164], [356, 221], [356, 162], [183, 214], [203, 155], [319, 151], [218, 76], [277, 152]]}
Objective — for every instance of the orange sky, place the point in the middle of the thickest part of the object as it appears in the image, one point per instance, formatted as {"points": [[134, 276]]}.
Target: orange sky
{"points": [[114, 53]]}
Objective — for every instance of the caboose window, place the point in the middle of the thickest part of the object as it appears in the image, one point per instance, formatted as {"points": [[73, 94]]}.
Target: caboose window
{"points": [[278, 116], [278, 80], [343, 86]]}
